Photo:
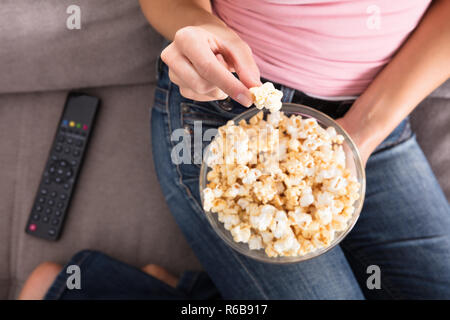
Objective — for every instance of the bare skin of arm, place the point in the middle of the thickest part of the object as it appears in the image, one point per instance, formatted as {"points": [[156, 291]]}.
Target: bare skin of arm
{"points": [[203, 52], [419, 67]]}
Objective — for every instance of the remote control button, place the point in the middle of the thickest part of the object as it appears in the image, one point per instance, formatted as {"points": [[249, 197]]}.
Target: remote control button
{"points": [[52, 232], [36, 216], [58, 148], [58, 213], [79, 143], [53, 194], [44, 191], [54, 158], [67, 150], [74, 162], [66, 186], [60, 205], [41, 200], [51, 169], [68, 173], [32, 227], [48, 211], [58, 180], [55, 222], [45, 219], [50, 202], [63, 163], [69, 141], [76, 153], [63, 196], [38, 208], [60, 171], [47, 181]]}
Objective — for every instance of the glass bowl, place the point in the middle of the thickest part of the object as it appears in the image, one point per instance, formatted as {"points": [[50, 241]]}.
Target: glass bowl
{"points": [[354, 164]]}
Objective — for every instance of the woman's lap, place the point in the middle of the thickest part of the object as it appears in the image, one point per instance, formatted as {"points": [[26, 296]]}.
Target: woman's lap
{"points": [[401, 229], [236, 276]]}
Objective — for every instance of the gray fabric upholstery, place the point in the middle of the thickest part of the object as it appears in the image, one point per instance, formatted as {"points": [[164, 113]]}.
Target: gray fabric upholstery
{"points": [[431, 122], [115, 45], [118, 207]]}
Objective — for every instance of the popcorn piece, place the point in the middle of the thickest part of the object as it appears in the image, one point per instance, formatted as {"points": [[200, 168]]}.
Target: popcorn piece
{"points": [[266, 96], [241, 233], [264, 219], [280, 224], [208, 198], [324, 215], [235, 190], [301, 219], [251, 176], [274, 118], [307, 197], [229, 220], [255, 242], [287, 243]]}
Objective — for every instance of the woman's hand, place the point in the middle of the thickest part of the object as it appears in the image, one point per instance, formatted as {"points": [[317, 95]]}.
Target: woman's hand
{"points": [[201, 60]]}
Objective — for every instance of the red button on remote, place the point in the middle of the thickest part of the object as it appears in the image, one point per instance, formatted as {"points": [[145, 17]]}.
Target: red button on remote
{"points": [[32, 227]]}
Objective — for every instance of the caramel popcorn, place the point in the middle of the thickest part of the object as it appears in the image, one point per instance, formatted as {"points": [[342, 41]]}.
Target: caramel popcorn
{"points": [[279, 184]]}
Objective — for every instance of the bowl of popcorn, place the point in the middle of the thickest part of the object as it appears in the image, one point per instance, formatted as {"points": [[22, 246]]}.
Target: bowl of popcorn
{"points": [[282, 182]]}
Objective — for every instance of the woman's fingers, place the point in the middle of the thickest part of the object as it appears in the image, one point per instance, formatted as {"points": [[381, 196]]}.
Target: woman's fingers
{"points": [[186, 91], [240, 56], [201, 63], [197, 48], [183, 73], [221, 59], [216, 94]]}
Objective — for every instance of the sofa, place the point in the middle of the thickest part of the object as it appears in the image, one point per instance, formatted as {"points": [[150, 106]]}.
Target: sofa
{"points": [[118, 207]]}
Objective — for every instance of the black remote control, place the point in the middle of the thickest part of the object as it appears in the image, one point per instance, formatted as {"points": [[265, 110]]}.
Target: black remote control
{"points": [[63, 167]]}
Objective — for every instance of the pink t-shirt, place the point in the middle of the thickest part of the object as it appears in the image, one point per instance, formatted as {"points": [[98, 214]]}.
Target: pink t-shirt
{"points": [[325, 48]]}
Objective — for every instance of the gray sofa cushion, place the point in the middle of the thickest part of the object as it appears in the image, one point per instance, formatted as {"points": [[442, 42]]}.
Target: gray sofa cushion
{"points": [[431, 122], [118, 207], [115, 45]]}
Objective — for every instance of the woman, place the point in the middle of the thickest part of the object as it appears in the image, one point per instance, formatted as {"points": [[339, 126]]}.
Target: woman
{"points": [[375, 59]]}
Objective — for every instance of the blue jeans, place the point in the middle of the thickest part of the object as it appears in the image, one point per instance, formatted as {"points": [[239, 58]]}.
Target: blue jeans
{"points": [[103, 277], [404, 227]]}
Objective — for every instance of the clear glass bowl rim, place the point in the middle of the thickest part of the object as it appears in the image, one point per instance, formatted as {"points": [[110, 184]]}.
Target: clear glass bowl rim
{"points": [[260, 255]]}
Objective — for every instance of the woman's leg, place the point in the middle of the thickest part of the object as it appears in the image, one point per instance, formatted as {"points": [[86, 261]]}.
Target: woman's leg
{"points": [[103, 277], [39, 281], [236, 276], [404, 227]]}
